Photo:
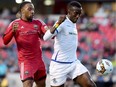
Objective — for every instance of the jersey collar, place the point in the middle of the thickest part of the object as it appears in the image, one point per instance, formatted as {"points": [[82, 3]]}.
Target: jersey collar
{"points": [[69, 20]]}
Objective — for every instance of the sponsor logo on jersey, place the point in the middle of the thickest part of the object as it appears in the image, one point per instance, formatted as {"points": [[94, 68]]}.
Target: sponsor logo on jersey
{"points": [[72, 33], [68, 26], [28, 32]]}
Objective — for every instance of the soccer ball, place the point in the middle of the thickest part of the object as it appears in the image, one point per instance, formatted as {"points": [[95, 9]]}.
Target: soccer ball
{"points": [[104, 67]]}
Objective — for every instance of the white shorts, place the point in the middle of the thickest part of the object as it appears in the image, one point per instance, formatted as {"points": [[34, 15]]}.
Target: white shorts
{"points": [[59, 72]]}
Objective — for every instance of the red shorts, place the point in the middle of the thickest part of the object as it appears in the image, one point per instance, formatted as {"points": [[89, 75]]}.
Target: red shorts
{"points": [[32, 71]]}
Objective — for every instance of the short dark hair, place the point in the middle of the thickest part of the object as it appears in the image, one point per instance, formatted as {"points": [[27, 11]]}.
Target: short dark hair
{"points": [[74, 3], [23, 4], [18, 14]]}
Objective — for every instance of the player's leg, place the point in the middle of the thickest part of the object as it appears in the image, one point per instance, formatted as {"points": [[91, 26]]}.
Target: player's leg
{"points": [[40, 77], [58, 74], [81, 75], [28, 83], [85, 80], [41, 82], [26, 74]]}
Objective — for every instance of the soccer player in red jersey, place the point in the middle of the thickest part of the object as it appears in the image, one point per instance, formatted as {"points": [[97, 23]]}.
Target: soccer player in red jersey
{"points": [[27, 32]]}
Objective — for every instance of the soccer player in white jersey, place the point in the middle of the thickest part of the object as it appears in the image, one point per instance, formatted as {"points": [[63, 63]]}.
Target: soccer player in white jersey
{"points": [[64, 62]]}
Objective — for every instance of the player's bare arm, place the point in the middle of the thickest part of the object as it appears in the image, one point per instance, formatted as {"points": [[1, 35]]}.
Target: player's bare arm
{"points": [[60, 20]]}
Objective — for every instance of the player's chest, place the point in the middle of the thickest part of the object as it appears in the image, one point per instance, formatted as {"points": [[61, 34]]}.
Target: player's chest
{"points": [[70, 30], [27, 29]]}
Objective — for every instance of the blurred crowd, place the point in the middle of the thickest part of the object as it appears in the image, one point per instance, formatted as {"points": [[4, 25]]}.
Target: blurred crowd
{"points": [[96, 35]]}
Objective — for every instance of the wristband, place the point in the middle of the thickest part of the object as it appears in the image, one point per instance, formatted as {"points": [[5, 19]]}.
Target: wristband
{"points": [[56, 25]]}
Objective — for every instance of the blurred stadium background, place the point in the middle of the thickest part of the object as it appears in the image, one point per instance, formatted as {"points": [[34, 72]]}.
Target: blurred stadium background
{"points": [[97, 37]]}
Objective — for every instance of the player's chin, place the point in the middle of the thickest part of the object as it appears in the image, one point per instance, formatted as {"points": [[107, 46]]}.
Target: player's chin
{"points": [[31, 17], [75, 21]]}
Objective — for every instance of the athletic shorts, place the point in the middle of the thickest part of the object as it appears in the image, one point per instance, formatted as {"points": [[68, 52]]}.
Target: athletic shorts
{"points": [[59, 72], [32, 71]]}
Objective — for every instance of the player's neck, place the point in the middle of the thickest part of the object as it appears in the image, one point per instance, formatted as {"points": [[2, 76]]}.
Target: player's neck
{"points": [[26, 20], [69, 18]]}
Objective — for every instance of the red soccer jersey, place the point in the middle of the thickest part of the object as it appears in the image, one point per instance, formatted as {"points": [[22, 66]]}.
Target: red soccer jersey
{"points": [[27, 37]]}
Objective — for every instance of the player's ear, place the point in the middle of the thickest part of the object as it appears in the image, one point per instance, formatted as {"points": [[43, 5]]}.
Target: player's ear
{"points": [[82, 12], [68, 10], [18, 15]]}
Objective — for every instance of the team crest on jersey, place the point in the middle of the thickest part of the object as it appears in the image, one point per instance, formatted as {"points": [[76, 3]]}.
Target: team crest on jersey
{"points": [[26, 72], [35, 26]]}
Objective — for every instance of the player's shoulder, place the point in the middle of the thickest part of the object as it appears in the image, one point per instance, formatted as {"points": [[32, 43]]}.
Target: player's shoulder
{"points": [[12, 22], [38, 21], [66, 20], [63, 23], [17, 20]]}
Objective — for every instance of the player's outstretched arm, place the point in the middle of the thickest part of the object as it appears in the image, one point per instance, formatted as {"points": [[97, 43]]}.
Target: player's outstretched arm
{"points": [[52, 32]]}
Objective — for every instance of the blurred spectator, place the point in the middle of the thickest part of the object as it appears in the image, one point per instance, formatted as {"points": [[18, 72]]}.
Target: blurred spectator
{"points": [[3, 73], [5, 13], [101, 11]]}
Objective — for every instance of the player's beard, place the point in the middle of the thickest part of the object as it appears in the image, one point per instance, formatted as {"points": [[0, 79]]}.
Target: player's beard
{"points": [[30, 18], [75, 20]]}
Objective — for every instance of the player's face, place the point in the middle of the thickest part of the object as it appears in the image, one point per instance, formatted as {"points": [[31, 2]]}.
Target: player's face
{"points": [[28, 11], [74, 13]]}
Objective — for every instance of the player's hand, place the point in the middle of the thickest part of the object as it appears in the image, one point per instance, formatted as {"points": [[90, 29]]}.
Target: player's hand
{"points": [[61, 19], [15, 26]]}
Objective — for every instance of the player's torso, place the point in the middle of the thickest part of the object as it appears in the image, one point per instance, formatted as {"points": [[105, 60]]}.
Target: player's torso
{"points": [[26, 32], [67, 38], [66, 42], [27, 39]]}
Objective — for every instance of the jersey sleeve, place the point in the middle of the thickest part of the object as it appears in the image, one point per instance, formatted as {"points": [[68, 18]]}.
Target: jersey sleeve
{"points": [[8, 34], [58, 29], [9, 28], [49, 35], [43, 29]]}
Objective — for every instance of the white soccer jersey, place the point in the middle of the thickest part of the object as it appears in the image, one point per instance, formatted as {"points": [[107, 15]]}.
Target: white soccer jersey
{"points": [[66, 42], [65, 46]]}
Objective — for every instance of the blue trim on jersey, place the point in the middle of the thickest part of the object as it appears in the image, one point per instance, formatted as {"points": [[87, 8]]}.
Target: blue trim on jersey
{"points": [[56, 55], [55, 60], [56, 31], [62, 62]]}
